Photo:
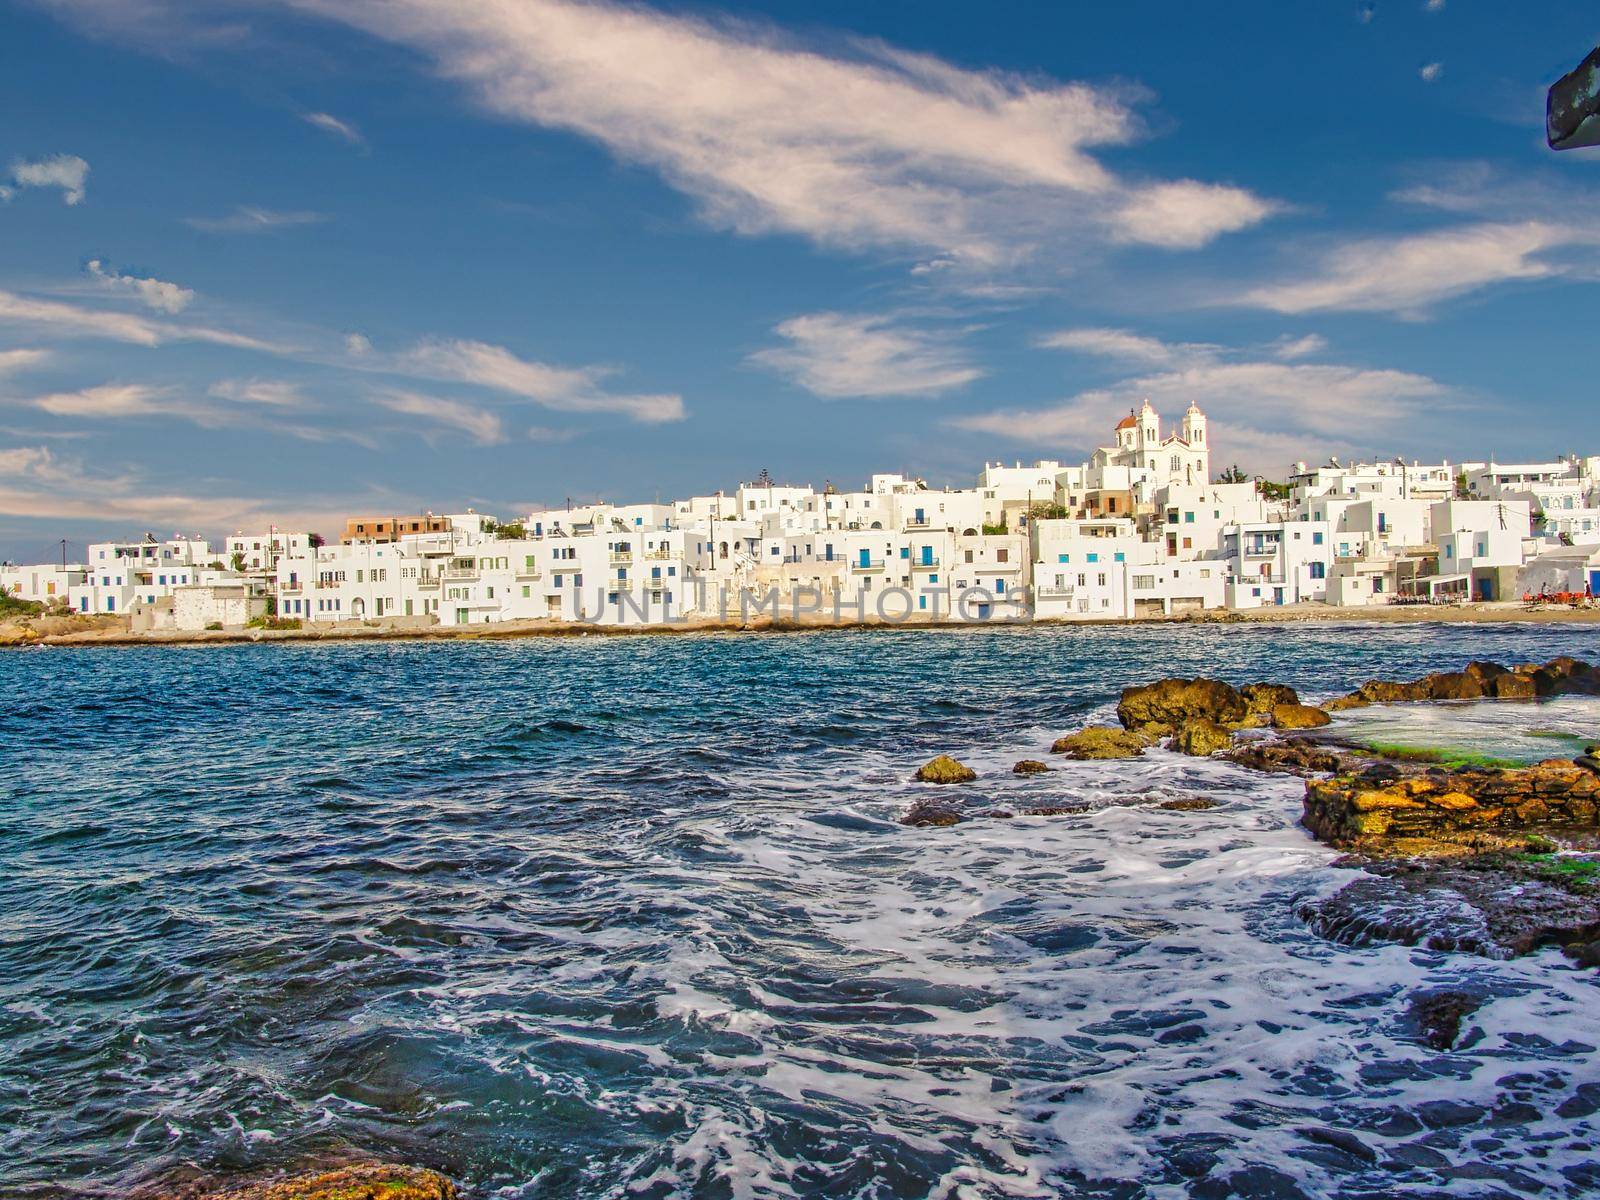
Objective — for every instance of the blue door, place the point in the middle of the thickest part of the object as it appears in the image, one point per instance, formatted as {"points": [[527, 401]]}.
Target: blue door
{"points": [[1594, 582], [927, 556], [866, 558], [918, 517]]}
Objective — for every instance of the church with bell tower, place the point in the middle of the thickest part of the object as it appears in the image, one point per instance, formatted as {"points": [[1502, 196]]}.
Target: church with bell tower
{"points": [[1181, 458]]}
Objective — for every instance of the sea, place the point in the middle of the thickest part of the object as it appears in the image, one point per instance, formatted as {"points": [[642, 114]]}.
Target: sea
{"points": [[634, 917]]}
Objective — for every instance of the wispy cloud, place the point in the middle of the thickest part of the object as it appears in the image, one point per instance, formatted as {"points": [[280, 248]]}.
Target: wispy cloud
{"points": [[13, 361], [1408, 274], [247, 219], [561, 389], [838, 354], [330, 124], [268, 393], [482, 426], [1123, 346], [35, 483], [114, 400], [1260, 410], [856, 146], [152, 293], [1431, 72], [258, 405], [73, 320], [65, 171]]}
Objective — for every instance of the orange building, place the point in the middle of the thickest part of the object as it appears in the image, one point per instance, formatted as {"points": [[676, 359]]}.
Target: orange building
{"points": [[391, 529]]}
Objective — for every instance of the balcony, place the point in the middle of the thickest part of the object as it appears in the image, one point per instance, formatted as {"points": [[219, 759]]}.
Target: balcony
{"points": [[621, 558], [1052, 592], [293, 588], [871, 564], [529, 574], [925, 564], [460, 574], [1004, 568]]}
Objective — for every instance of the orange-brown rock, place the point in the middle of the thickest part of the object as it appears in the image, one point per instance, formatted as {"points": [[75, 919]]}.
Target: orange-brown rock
{"points": [[1375, 809], [1167, 705], [367, 1181], [1298, 716]]}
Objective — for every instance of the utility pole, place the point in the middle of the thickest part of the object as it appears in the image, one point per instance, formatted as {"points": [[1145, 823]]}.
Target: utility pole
{"points": [[63, 554]]}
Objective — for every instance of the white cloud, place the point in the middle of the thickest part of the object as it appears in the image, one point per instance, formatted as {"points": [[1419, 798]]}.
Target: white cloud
{"points": [[65, 171], [864, 146], [12, 361], [1259, 410], [1186, 214], [357, 344], [248, 219], [1433, 6], [1407, 274], [72, 320], [114, 400], [266, 393], [1122, 346], [1431, 72], [483, 426], [35, 483], [836, 354], [257, 405], [1290, 348], [152, 293], [562, 389], [331, 124]]}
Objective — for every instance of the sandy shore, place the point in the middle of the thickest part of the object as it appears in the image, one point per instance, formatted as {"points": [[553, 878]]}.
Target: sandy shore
{"points": [[80, 631]]}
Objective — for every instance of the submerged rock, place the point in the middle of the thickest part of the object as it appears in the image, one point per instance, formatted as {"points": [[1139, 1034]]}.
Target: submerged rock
{"points": [[926, 813], [1497, 905], [1201, 737], [367, 1181], [1167, 705], [1298, 716], [1030, 766], [1437, 1016], [945, 769], [1188, 804], [1295, 756], [1101, 741]]}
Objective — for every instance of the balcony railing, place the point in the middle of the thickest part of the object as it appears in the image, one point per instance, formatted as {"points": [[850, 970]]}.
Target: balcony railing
{"points": [[621, 557], [926, 564], [460, 574], [1052, 592], [871, 564]]}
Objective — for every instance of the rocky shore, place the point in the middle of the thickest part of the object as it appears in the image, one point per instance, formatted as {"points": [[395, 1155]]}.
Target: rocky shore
{"points": [[1494, 861], [363, 1181]]}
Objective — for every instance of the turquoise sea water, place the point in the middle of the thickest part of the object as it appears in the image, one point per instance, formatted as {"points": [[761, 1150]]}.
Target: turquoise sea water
{"points": [[633, 917]]}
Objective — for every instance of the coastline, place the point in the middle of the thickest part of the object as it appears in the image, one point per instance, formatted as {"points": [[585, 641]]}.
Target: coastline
{"points": [[106, 634]]}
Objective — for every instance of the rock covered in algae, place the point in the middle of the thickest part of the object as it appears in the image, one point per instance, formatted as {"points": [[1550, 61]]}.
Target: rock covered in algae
{"points": [[945, 769], [1201, 737], [1101, 741], [365, 1181], [1165, 706]]}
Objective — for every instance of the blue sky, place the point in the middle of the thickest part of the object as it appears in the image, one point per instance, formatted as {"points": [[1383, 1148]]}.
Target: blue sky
{"points": [[280, 261]]}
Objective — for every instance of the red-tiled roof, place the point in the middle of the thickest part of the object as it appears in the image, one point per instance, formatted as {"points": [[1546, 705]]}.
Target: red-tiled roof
{"points": [[1127, 422]]}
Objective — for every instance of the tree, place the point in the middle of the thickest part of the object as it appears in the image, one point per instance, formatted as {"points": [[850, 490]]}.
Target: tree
{"points": [[1272, 491], [1048, 512], [237, 562], [1232, 475], [512, 531], [315, 541], [1463, 492]]}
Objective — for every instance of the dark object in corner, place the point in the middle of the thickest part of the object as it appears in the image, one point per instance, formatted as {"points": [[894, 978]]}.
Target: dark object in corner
{"points": [[1572, 111]]}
